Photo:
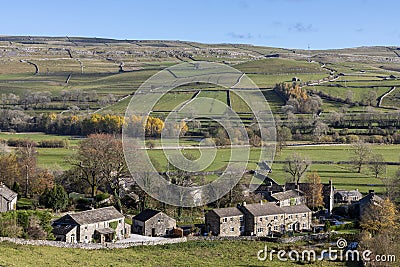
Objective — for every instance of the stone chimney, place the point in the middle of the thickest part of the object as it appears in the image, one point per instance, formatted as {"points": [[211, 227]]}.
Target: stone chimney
{"points": [[372, 192], [244, 204]]}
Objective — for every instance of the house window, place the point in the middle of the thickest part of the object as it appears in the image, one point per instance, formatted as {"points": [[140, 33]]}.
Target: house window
{"points": [[85, 227], [260, 230], [224, 220], [276, 228], [290, 216], [275, 217], [297, 216], [231, 219], [160, 220], [304, 215], [290, 227], [241, 229], [232, 229], [304, 225], [120, 221], [241, 218], [260, 219]]}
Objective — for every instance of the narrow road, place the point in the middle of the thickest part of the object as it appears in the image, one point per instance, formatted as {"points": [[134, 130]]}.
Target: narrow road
{"points": [[384, 95]]}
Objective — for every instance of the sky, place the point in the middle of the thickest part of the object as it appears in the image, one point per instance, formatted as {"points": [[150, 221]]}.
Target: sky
{"points": [[320, 24]]}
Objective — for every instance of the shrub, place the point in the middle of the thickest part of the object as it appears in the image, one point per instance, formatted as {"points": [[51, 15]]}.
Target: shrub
{"points": [[351, 138], [27, 224]]}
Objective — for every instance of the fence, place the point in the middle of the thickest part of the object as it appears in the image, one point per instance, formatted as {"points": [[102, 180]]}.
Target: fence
{"points": [[92, 246]]}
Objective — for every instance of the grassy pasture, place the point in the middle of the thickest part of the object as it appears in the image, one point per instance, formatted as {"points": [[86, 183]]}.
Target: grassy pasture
{"points": [[342, 175], [341, 92], [278, 65], [173, 100], [392, 99], [192, 253], [270, 80]]}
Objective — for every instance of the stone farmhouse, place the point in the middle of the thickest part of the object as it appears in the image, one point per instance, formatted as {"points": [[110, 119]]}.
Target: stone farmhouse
{"points": [[153, 223], [98, 225], [270, 187], [344, 196], [8, 198], [260, 219], [225, 222]]}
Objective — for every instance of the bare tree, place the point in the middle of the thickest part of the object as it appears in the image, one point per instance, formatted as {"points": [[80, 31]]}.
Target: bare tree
{"points": [[27, 160], [377, 165], [296, 165], [361, 154]]}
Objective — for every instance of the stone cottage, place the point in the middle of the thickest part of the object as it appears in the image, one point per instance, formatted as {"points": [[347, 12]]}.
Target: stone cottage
{"points": [[288, 198], [153, 223], [98, 225], [261, 219], [297, 218], [225, 222], [8, 198]]}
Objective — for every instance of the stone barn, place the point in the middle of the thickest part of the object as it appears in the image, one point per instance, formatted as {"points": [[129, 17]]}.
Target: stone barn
{"points": [[153, 223]]}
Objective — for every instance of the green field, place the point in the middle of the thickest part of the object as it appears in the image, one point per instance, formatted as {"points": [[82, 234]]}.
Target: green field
{"points": [[192, 253], [343, 176], [279, 66], [37, 137]]}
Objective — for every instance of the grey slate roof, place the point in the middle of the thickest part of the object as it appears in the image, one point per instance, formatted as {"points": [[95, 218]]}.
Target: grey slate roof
{"points": [[7, 193], [62, 229], [263, 209], [228, 212], [371, 198], [96, 215], [145, 215], [287, 194], [350, 193], [296, 209]]}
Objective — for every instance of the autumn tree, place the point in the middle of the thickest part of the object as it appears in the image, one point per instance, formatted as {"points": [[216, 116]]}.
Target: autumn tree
{"points": [[43, 179], [9, 169], [100, 162], [313, 191], [361, 154], [296, 165], [380, 218]]}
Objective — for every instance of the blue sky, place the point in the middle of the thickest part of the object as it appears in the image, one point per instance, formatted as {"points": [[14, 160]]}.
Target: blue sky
{"points": [[280, 23]]}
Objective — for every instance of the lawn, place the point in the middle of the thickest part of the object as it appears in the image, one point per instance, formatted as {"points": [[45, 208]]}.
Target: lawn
{"points": [[192, 253]]}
